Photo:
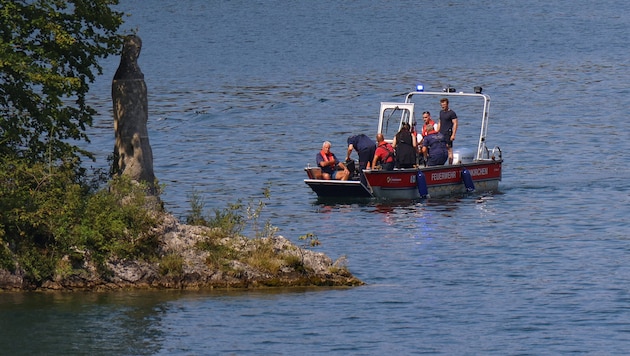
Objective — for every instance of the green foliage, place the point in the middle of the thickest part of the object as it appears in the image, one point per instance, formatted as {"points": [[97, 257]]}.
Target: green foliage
{"points": [[51, 212], [196, 210], [264, 257], [218, 254], [310, 239], [6, 258], [172, 265], [228, 222], [233, 219], [117, 222], [49, 52], [254, 210], [38, 262]]}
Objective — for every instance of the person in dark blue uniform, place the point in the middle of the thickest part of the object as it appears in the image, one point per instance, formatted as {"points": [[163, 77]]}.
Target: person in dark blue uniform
{"points": [[365, 148], [434, 148]]}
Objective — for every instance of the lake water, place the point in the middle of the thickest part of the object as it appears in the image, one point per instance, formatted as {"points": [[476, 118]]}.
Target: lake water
{"points": [[241, 95]]}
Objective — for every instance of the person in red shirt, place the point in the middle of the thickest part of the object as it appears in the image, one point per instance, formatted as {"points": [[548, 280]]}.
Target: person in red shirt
{"points": [[384, 154]]}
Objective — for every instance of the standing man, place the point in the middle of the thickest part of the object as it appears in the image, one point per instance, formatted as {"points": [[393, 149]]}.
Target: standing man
{"points": [[448, 126]]}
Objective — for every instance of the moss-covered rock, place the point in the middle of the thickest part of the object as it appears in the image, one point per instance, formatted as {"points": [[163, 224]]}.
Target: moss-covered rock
{"points": [[192, 257]]}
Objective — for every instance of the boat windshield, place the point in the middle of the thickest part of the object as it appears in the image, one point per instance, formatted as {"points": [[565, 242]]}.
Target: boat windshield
{"points": [[393, 119]]}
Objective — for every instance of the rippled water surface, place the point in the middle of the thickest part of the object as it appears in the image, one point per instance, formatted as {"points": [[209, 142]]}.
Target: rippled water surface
{"points": [[241, 95]]}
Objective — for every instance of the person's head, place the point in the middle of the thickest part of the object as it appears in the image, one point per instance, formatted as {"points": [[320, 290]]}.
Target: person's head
{"points": [[444, 103], [405, 127], [326, 146], [430, 129], [379, 137], [426, 116]]}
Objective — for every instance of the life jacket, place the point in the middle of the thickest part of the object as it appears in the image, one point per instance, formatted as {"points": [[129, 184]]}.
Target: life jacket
{"points": [[390, 152], [326, 157], [424, 127]]}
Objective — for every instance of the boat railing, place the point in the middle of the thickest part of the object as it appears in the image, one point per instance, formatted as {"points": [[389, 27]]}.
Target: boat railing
{"points": [[494, 153], [484, 117]]}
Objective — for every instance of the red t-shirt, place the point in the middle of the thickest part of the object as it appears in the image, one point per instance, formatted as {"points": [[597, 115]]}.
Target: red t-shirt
{"points": [[382, 151]]}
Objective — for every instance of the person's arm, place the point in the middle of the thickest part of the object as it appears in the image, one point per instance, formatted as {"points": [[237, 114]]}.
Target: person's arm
{"points": [[343, 166], [424, 149], [322, 163], [374, 160], [414, 141], [350, 147], [454, 129]]}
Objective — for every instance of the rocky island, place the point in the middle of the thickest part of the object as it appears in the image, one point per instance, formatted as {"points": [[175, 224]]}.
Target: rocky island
{"points": [[171, 254], [191, 257]]}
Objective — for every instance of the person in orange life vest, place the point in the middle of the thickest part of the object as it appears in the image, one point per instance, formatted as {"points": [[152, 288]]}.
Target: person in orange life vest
{"points": [[426, 121], [384, 154], [426, 117], [328, 162]]}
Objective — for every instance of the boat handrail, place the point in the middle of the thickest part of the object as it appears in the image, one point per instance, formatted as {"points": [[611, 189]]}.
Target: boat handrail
{"points": [[481, 146], [496, 148]]}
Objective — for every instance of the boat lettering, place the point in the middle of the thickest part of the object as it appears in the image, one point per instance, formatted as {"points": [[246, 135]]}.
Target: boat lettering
{"points": [[479, 171], [443, 175], [392, 179]]}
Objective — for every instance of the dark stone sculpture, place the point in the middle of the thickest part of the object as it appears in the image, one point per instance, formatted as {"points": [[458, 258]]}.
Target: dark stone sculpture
{"points": [[132, 152]]}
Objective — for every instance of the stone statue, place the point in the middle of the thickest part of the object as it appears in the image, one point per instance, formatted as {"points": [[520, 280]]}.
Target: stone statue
{"points": [[132, 152]]}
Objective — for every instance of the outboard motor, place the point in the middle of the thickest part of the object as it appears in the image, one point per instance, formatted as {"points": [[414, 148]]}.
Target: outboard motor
{"points": [[354, 173]]}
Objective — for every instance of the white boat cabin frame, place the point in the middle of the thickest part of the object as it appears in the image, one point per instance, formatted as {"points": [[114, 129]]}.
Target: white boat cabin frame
{"points": [[404, 112]]}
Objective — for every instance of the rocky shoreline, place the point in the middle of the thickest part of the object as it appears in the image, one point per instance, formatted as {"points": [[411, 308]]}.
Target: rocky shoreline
{"points": [[181, 240]]}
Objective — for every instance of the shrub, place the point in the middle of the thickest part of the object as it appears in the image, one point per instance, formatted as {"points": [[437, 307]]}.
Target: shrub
{"points": [[233, 219], [172, 264], [52, 211]]}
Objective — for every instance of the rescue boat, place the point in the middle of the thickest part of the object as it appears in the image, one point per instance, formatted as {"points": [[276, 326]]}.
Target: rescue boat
{"points": [[475, 167]]}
